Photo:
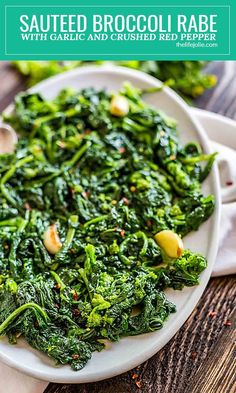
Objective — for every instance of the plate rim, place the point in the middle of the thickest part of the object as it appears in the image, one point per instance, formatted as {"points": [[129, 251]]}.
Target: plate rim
{"points": [[75, 377]]}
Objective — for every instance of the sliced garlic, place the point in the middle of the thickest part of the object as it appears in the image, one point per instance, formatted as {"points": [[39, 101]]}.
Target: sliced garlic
{"points": [[170, 242], [8, 139], [51, 240], [119, 106]]}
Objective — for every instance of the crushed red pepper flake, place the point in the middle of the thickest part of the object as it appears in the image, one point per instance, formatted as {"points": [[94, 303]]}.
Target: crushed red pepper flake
{"points": [[61, 144], [122, 233], [149, 223], [194, 355], [75, 295], [122, 150], [134, 376], [75, 356], [229, 183], [228, 323], [138, 384], [126, 201], [212, 314], [76, 312], [85, 194]]}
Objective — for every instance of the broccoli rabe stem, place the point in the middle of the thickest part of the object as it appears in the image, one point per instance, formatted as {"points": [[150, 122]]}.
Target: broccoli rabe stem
{"points": [[5, 191], [70, 163], [58, 280], [73, 222], [35, 307], [95, 220], [124, 245]]}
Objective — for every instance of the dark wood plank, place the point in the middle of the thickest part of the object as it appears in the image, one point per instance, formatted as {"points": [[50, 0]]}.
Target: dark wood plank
{"points": [[217, 373]]}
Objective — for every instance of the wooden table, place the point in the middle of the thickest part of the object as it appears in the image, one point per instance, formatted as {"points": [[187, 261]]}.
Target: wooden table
{"points": [[199, 358]]}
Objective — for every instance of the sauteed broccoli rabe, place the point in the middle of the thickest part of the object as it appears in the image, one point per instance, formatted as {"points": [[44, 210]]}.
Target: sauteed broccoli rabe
{"points": [[93, 205]]}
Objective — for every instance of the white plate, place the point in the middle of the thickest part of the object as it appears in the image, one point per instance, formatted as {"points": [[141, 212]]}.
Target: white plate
{"points": [[130, 351]]}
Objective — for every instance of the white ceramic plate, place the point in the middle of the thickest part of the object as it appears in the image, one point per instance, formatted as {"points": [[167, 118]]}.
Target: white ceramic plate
{"points": [[130, 351]]}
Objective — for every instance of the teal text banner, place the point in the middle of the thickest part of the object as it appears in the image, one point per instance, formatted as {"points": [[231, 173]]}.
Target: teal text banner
{"points": [[104, 30]]}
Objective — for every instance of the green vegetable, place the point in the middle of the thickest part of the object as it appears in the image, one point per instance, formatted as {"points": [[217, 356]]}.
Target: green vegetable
{"points": [[109, 184]]}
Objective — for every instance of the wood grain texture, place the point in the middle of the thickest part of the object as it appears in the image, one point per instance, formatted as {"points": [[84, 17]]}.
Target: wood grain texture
{"points": [[217, 373], [221, 99], [199, 358]]}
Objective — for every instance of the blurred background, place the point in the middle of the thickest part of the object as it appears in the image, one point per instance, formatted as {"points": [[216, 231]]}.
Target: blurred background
{"points": [[207, 85]]}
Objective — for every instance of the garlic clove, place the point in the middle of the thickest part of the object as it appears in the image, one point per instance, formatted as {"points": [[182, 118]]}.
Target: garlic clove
{"points": [[51, 240], [119, 106], [8, 139], [170, 242]]}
